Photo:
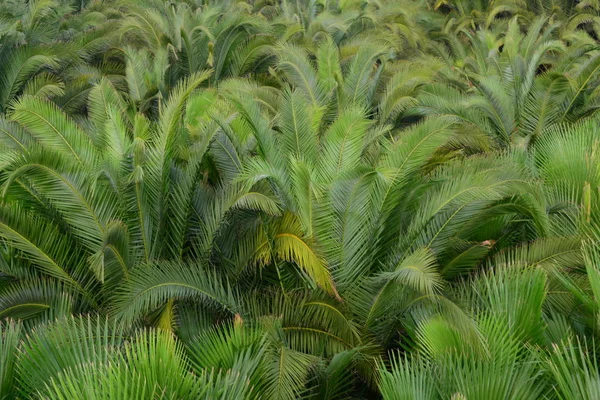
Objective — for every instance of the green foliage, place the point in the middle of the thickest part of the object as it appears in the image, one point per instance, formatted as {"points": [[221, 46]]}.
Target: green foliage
{"points": [[274, 199]]}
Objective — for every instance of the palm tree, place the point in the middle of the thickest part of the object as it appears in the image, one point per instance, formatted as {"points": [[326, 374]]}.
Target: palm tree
{"points": [[517, 85], [283, 199]]}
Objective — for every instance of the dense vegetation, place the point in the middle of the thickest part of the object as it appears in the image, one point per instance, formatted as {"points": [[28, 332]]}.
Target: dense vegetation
{"points": [[281, 199]]}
